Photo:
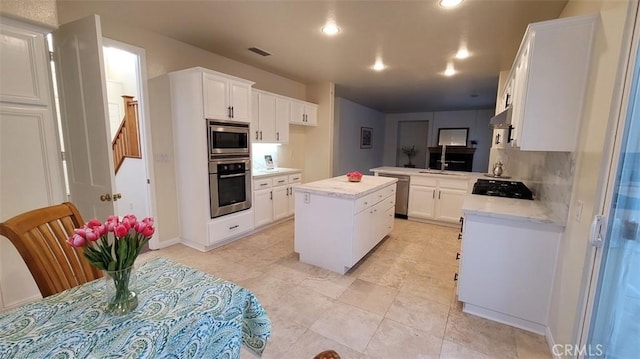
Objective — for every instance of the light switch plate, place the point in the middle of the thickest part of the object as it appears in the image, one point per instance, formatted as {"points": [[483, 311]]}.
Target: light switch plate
{"points": [[579, 206]]}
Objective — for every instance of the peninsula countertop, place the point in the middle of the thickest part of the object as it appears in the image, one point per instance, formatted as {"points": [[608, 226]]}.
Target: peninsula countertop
{"points": [[341, 187]]}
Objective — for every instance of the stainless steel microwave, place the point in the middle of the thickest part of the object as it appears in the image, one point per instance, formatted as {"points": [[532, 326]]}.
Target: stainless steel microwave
{"points": [[227, 138]]}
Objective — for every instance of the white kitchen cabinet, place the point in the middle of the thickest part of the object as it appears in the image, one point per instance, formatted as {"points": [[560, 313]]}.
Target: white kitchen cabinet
{"points": [[506, 270], [30, 170], [549, 76], [187, 97], [270, 120], [434, 198], [273, 198], [226, 97], [422, 201], [335, 232], [304, 113]]}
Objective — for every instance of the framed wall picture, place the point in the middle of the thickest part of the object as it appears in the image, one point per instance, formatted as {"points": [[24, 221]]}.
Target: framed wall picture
{"points": [[366, 137]]}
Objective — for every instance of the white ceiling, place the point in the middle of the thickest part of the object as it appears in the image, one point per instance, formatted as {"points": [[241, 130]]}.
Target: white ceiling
{"points": [[416, 40]]}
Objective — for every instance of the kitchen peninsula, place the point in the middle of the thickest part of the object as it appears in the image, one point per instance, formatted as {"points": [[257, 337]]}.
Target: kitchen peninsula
{"points": [[338, 222]]}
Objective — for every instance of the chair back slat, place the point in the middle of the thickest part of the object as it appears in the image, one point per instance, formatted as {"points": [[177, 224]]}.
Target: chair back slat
{"points": [[40, 238]]}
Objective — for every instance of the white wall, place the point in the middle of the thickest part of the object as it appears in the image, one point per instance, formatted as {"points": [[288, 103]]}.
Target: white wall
{"points": [[38, 12], [319, 140], [568, 289], [476, 120], [347, 154]]}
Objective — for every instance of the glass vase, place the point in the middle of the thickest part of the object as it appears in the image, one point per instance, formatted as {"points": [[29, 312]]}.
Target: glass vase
{"points": [[119, 291]]}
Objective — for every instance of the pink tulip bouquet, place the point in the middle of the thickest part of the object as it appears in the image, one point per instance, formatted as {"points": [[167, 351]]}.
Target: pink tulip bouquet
{"points": [[129, 236]]}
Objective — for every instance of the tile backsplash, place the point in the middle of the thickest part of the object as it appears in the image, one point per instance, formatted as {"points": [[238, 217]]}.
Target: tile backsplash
{"points": [[549, 175]]}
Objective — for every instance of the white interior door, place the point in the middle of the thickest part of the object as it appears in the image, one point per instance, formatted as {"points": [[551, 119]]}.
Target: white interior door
{"points": [[84, 115]]}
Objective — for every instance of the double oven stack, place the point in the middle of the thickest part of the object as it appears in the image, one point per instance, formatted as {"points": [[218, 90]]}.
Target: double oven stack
{"points": [[229, 167]]}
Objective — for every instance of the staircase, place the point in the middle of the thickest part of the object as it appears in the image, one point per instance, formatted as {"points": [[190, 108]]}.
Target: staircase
{"points": [[126, 142]]}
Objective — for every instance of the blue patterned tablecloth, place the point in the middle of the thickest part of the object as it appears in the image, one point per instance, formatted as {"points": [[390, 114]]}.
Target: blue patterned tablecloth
{"points": [[182, 313]]}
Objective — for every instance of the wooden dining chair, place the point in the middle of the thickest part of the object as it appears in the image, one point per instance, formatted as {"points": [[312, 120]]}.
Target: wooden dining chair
{"points": [[40, 237], [327, 354]]}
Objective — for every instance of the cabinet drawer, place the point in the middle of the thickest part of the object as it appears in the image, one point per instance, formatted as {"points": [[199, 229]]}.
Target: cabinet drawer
{"points": [[375, 197], [280, 180], [295, 178], [230, 226], [454, 184], [423, 181], [261, 183]]}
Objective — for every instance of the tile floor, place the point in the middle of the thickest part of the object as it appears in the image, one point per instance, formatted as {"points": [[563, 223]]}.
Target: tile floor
{"points": [[399, 302]]}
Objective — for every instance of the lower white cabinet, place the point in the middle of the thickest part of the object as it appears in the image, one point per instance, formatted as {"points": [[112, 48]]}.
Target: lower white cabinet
{"points": [[273, 198], [232, 225], [334, 233], [437, 199], [507, 269]]}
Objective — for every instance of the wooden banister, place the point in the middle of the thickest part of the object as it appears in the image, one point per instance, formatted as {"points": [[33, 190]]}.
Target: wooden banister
{"points": [[126, 142]]}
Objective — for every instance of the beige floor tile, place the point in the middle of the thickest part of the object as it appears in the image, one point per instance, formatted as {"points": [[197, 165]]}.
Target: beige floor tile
{"points": [[397, 341], [299, 305], [427, 288], [389, 274], [419, 313], [348, 325], [312, 343], [493, 339], [284, 334], [368, 296], [451, 350], [267, 289], [530, 345], [328, 283]]}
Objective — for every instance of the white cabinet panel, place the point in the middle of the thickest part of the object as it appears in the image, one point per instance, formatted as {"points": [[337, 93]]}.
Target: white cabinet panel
{"points": [[273, 198], [280, 202], [230, 226], [421, 202], [283, 113], [240, 97], [263, 207], [23, 68], [215, 97], [449, 208], [304, 113], [266, 118], [436, 198]]}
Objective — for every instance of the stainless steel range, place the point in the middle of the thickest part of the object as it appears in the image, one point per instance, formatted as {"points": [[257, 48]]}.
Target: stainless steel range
{"points": [[497, 188]]}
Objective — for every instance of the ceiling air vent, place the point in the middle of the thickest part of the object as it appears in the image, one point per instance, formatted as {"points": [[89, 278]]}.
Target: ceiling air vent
{"points": [[258, 51]]}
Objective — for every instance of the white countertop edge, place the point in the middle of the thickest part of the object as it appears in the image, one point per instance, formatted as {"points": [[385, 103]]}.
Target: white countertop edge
{"points": [[551, 223], [340, 193], [274, 172]]}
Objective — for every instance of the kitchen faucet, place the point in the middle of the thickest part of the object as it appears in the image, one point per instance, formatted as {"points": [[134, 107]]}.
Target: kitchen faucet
{"points": [[443, 164]]}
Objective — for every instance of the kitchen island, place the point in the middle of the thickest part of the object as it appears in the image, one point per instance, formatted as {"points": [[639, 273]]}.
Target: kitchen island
{"points": [[338, 222]]}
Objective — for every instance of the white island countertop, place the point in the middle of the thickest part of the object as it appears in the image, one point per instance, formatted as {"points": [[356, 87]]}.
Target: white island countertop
{"points": [[341, 187]]}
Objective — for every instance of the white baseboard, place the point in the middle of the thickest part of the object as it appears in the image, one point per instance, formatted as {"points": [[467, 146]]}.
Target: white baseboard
{"points": [[21, 302], [550, 342], [165, 244], [504, 318]]}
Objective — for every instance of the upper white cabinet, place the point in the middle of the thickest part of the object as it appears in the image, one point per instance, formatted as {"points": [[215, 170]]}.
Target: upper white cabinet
{"points": [[270, 119], [304, 113], [226, 97], [547, 83]]}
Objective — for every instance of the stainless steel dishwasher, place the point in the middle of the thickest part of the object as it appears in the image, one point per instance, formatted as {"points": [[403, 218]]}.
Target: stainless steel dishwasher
{"points": [[402, 193]]}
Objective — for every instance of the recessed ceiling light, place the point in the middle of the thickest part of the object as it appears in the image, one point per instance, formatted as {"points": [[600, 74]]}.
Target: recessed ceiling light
{"points": [[463, 53], [450, 71], [379, 65], [330, 28], [450, 3]]}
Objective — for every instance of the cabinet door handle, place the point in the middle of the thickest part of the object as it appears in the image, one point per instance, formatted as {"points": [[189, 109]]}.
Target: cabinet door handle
{"points": [[459, 236], [229, 111], [233, 114], [457, 256], [256, 135], [260, 134], [509, 133], [439, 192], [271, 195], [263, 184], [278, 136], [455, 277], [461, 223], [497, 138], [234, 227], [433, 194]]}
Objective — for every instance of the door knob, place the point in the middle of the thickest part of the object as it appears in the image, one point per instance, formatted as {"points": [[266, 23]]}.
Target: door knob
{"points": [[117, 196], [105, 197]]}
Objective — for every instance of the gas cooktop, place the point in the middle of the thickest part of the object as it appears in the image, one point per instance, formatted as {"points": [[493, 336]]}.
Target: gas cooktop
{"points": [[497, 188]]}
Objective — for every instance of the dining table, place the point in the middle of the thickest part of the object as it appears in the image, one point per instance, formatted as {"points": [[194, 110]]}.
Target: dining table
{"points": [[181, 313]]}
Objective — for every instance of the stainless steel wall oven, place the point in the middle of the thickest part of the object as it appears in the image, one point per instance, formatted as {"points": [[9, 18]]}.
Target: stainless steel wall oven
{"points": [[229, 185]]}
